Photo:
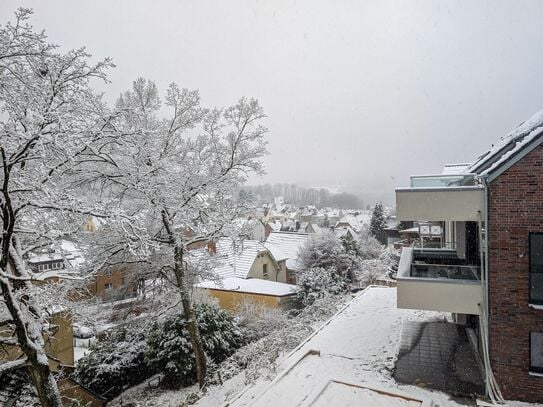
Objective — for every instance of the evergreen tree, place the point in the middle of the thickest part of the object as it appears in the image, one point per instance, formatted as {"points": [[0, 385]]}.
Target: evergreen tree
{"points": [[378, 223]]}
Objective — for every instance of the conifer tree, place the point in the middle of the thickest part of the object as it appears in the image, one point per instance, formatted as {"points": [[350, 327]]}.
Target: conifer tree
{"points": [[378, 223]]}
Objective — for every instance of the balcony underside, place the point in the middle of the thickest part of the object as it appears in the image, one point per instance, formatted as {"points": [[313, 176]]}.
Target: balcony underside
{"points": [[440, 204], [438, 287]]}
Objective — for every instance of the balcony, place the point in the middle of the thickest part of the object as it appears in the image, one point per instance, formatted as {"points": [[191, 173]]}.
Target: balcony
{"points": [[437, 280], [441, 198]]}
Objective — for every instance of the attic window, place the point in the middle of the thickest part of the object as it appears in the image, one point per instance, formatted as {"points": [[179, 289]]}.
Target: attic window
{"points": [[265, 271]]}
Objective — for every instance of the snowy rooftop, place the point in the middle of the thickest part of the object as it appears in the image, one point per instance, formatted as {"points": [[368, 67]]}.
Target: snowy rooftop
{"points": [[44, 257], [509, 145], [342, 231], [350, 358], [236, 258], [352, 221], [285, 246], [252, 286]]}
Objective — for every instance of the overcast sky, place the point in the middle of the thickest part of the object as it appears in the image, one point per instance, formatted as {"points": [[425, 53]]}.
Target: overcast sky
{"points": [[359, 94]]}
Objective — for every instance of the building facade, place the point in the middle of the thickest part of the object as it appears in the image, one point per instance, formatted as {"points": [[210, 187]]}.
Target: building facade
{"points": [[488, 266]]}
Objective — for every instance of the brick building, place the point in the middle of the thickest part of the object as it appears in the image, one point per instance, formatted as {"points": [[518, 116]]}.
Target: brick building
{"points": [[488, 271]]}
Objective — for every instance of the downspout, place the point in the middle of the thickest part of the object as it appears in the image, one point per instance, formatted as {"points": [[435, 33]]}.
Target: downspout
{"points": [[492, 389]]}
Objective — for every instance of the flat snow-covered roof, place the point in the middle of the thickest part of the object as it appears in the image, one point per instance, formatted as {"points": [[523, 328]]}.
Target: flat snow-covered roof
{"points": [[251, 286]]}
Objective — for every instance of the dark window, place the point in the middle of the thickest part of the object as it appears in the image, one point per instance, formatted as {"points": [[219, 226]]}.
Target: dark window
{"points": [[265, 271], [536, 268], [536, 352], [108, 286]]}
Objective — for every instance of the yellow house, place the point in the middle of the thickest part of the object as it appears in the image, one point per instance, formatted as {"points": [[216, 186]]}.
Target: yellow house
{"points": [[58, 337], [233, 292], [248, 271]]}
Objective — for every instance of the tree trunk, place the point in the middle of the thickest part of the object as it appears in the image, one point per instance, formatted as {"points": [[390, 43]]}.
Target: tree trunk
{"points": [[188, 314], [46, 386], [31, 343]]}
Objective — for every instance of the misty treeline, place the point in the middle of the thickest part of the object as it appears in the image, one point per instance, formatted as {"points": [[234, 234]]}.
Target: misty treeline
{"points": [[297, 195], [159, 173]]}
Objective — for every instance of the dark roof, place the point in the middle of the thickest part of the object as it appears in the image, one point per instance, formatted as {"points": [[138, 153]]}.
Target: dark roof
{"points": [[510, 148]]}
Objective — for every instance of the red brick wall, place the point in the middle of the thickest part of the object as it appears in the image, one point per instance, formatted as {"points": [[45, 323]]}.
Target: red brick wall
{"points": [[515, 210]]}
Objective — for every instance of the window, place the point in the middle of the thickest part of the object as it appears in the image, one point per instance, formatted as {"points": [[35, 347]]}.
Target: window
{"points": [[265, 271], [536, 268], [108, 286], [536, 352]]}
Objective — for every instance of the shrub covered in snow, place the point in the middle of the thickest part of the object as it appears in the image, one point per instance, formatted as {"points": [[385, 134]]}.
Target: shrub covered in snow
{"points": [[257, 321], [370, 248], [326, 251], [169, 348], [317, 283], [116, 362]]}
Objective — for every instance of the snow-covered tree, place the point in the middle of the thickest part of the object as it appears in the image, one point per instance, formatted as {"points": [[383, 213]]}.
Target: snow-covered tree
{"points": [[317, 283], [169, 345], [368, 246], [326, 251], [378, 222], [115, 362], [50, 121], [175, 173]]}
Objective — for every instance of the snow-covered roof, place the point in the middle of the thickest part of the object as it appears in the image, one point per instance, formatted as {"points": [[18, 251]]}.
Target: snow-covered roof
{"points": [[332, 368], [251, 286], [63, 274], [342, 231], [509, 146], [275, 226], [236, 258], [285, 246], [351, 220], [44, 257], [317, 229]]}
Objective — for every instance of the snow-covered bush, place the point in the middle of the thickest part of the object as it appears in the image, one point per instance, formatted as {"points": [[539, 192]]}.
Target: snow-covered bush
{"points": [[370, 270], [116, 362], [370, 248], [257, 321], [169, 348], [325, 250], [317, 283]]}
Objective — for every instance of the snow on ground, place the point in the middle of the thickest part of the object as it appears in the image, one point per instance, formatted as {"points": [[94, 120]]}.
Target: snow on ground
{"points": [[358, 345], [81, 347], [147, 394]]}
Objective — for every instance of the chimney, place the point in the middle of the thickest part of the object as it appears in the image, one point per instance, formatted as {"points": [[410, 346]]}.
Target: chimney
{"points": [[212, 247]]}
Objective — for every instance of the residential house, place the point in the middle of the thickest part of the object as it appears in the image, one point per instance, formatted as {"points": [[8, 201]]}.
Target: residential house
{"points": [[488, 269], [284, 247], [114, 283], [253, 229], [231, 292], [349, 221], [58, 339], [272, 227], [247, 271], [346, 231]]}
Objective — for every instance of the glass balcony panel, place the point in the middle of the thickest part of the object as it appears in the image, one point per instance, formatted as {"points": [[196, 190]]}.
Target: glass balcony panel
{"points": [[442, 181], [445, 271]]}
